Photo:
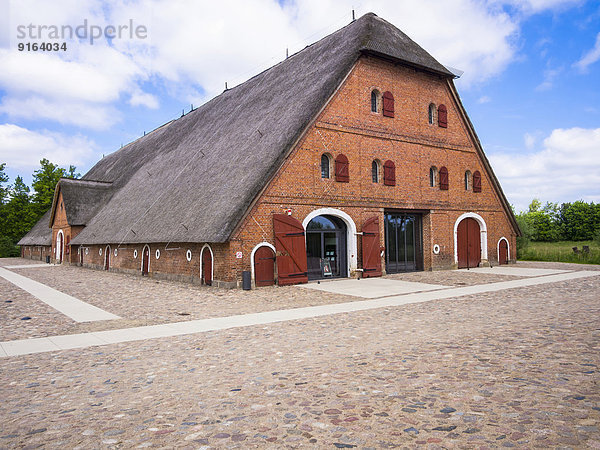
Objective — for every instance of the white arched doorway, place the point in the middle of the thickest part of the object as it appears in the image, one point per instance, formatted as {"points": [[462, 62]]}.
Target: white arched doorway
{"points": [[503, 246], [107, 257], [482, 234], [207, 264], [60, 246], [253, 253], [351, 242]]}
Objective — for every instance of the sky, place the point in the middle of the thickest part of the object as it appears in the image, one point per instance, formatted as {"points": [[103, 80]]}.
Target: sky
{"points": [[531, 82]]}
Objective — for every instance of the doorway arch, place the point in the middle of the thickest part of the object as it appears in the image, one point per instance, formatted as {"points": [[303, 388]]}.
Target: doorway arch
{"points": [[263, 264], [145, 260], [206, 265], [60, 239], [503, 251], [482, 243], [107, 257], [351, 242], [326, 252]]}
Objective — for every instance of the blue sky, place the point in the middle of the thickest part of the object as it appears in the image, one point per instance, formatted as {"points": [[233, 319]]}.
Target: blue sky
{"points": [[531, 84]]}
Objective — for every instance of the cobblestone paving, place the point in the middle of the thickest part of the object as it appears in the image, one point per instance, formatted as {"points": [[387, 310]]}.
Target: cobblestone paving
{"points": [[142, 301], [506, 369]]}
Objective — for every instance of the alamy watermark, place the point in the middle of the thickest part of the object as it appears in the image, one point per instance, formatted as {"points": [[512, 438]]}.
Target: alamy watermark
{"points": [[33, 36]]}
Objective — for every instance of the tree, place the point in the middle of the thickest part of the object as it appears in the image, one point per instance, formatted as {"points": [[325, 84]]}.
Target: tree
{"points": [[542, 221], [579, 220], [44, 184]]}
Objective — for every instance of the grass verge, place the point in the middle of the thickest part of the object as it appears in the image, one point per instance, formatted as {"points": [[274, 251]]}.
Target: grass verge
{"points": [[562, 251]]}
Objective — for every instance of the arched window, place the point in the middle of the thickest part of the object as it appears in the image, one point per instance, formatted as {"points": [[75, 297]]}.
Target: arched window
{"points": [[433, 176], [468, 181], [342, 169], [432, 110], [375, 101], [442, 116], [443, 178], [476, 181], [389, 173], [388, 104], [376, 171], [325, 165]]}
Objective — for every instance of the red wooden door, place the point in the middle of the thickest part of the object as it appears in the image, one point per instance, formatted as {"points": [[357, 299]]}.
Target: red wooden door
{"points": [[264, 267], [107, 258], [292, 266], [207, 267], [469, 243], [503, 252], [371, 258], [145, 261], [81, 256]]}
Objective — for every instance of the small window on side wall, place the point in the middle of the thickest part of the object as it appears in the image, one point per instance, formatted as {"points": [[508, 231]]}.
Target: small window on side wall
{"points": [[476, 181], [375, 101], [342, 169], [376, 171], [389, 173], [468, 181], [388, 104], [433, 176], [325, 165], [444, 179], [432, 110], [442, 116]]}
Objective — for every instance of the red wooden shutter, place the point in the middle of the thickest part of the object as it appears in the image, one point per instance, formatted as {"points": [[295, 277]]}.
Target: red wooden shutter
{"points": [[290, 245], [476, 181], [443, 178], [371, 259], [388, 104], [342, 171], [442, 116], [389, 173]]}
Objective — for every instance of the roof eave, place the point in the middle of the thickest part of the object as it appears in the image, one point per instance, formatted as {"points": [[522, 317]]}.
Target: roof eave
{"points": [[393, 59]]}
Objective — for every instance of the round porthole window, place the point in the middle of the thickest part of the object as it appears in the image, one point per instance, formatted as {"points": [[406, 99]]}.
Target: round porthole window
{"points": [[157, 253], [436, 249], [188, 255], [87, 250], [100, 251], [135, 254], [116, 252]]}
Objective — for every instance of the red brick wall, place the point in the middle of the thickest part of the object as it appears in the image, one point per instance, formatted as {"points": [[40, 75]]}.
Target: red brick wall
{"points": [[348, 126]]}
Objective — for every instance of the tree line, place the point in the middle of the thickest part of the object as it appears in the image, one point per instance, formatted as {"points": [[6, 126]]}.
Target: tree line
{"points": [[551, 222], [22, 206]]}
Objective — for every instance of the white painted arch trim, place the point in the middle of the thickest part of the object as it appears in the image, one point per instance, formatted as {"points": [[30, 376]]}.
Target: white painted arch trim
{"points": [[212, 261], [351, 239], [498, 249], [482, 233], [62, 241], [107, 255], [262, 244], [142, 259]]}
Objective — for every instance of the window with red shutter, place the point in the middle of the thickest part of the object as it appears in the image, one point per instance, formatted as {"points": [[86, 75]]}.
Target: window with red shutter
{"points": [[342, 169], [476, 181], [389, 173], [388, 104], [443, 178], [442, 116]]}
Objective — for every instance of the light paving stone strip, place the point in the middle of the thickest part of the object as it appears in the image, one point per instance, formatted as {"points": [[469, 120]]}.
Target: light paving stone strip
{"points": [[40, 345], [70, 306]]}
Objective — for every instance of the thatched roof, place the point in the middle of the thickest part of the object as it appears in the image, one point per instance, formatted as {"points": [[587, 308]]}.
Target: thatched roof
{"points": [[82, 198], [40, 234], [193, 179]]}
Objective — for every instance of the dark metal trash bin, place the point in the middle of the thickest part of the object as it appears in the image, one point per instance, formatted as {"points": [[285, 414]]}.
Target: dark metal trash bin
{"points": [[47, 259], [246, 280]]}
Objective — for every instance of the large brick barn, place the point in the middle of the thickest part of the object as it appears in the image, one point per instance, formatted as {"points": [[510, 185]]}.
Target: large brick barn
{"points": [[353, 157]]}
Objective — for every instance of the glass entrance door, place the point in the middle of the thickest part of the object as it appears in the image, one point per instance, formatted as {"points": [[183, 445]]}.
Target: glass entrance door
{"points": [[326, 248], [403, 242]]}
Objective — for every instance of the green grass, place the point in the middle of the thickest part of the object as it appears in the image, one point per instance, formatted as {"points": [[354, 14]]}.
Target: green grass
{"points": [[562, 251]]}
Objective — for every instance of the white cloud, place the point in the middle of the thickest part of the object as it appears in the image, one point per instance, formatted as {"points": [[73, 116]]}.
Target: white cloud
{"points": [[567, 168], [550, 76], [21, 148], [530, 140], [68, 112], [484, 99], [140, 98], [590, 57]]}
